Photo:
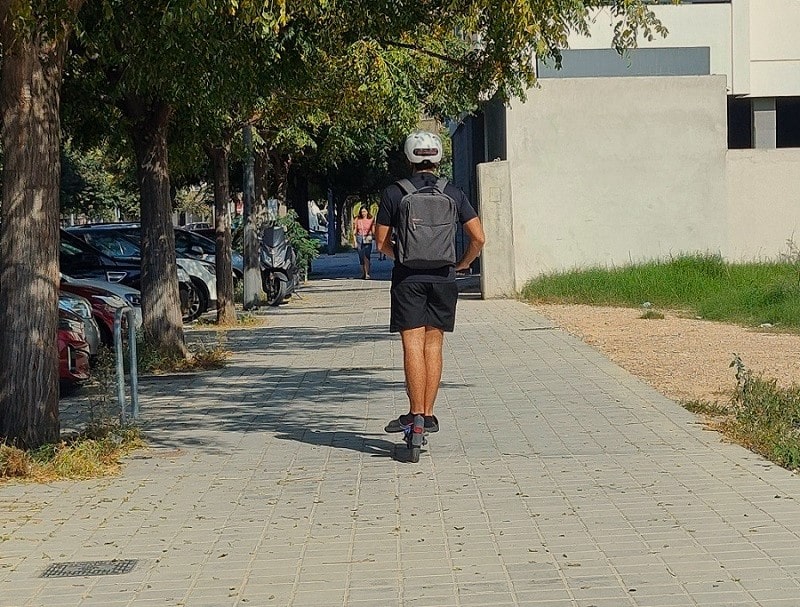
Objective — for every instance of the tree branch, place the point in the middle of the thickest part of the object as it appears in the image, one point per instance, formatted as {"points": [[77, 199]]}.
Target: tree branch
{"points": [[424, 51]]}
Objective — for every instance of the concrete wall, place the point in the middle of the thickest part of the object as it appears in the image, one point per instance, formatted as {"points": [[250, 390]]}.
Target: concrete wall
{"points": [[605, 171], [763, 202], [498, 259], [609, 171]]}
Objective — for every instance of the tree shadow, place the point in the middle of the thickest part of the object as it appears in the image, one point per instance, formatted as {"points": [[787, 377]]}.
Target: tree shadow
{"points": [[319, 404], [322, 406]]}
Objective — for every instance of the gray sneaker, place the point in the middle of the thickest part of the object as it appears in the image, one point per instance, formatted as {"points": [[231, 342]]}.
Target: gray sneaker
{"points": [[400, 424], [404, 422], [431, 423]]}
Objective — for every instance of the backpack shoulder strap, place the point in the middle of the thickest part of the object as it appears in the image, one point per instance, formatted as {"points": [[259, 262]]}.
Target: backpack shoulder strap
{"points": [[406, 186], [441, 184]]}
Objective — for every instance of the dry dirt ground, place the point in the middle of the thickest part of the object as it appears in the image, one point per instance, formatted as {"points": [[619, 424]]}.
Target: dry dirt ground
{"points": [[686, 359]]}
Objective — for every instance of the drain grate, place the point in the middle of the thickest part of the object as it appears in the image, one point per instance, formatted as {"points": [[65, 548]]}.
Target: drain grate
{"points": [[89, 568]]}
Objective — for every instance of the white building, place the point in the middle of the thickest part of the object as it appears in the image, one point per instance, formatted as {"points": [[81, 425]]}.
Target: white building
{"points": [[753, 43], [689, 143]]}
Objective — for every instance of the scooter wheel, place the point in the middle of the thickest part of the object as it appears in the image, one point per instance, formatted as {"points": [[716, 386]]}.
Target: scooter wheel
{"points": [[277, 292], [417, 438]]}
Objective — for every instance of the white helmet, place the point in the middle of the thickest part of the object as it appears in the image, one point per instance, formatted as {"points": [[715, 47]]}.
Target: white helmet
{"points": [[422, 146]]}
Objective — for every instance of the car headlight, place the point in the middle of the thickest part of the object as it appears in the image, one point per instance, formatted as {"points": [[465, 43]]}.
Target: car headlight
{"points": [[67, 324], [80, 308], [134, 299], [111, 300]]}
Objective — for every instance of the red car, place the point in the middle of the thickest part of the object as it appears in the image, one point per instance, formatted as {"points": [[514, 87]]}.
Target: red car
{"points": [[73, 351], [104, 308]]}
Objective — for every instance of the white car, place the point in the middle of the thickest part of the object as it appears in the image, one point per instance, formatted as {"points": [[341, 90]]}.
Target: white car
{"points": [[204, 280]]}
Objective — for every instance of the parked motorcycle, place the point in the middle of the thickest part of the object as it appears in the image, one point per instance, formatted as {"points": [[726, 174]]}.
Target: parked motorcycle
{"points": [[280, 271]]}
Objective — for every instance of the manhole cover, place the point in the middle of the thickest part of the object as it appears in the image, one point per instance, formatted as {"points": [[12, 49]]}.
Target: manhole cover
{"points": [[86, 568]]}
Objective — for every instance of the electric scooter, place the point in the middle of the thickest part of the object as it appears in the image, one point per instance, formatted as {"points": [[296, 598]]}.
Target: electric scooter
{"points": [[280, 271]]}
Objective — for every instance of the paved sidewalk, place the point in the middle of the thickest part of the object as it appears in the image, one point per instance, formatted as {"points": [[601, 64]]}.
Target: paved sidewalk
{"points": [[558, 480]]}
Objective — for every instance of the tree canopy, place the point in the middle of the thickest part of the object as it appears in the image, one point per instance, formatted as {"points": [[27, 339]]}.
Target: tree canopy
{"points": [[165, 77]]}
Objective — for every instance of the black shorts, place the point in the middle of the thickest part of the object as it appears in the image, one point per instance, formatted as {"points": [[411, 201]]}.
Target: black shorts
{"points": [[423, 304]]}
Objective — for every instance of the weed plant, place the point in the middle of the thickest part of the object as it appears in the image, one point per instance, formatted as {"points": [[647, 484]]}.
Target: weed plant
{"points": [[702, 285], [101, 392], [766, 417]]}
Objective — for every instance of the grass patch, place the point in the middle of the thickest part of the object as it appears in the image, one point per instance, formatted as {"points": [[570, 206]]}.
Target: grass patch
{"points": [[243, 320], [749, 294], [202, 357], [94, 453], [652, 315]]}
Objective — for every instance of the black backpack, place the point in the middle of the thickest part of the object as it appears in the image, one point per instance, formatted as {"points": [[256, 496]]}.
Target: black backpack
{"points": [[426, 228]]}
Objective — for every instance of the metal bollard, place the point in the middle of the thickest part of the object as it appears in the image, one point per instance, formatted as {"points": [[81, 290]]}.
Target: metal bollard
{"points": [[121, 367]]}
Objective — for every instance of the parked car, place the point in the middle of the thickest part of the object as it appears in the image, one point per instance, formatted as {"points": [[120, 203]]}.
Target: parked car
{"points": [[122, 242], [132, 297], [81, 307], [192, 244], [73, 351], [197, 225], [80, 260], [104, 308]]}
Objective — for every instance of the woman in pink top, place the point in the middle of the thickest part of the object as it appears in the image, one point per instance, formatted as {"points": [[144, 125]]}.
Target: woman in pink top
{"points": [[363, 233]]}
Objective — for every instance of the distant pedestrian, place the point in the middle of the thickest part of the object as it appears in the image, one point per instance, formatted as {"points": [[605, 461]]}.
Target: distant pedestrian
{"points": [[423, 299], [363, 234]]}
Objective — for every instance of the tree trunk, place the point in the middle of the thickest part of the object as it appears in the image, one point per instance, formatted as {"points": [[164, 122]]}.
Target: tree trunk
{"points": [[281, 165], [30, 97], [226, 310], [343, 211], [261, 180], [161, 310]]}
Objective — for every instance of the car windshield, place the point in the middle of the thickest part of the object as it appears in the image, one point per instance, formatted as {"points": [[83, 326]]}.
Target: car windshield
{"points": [[115, 245], [184, 241], [74, 248], [70, 250]]}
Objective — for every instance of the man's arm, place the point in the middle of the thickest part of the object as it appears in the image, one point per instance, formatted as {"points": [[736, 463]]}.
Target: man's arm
{"points": [[383, 239], [477, 239]]}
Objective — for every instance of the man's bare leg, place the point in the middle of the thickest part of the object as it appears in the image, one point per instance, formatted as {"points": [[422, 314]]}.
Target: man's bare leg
{"points": [[415, 367], [434, 339]]}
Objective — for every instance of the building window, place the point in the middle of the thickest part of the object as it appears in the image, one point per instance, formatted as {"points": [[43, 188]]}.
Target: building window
{"points": [[740, 123], [787, 122]]}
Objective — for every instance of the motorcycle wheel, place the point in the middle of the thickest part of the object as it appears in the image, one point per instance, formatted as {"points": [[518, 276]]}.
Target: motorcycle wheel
{"points": [[276, 291]]}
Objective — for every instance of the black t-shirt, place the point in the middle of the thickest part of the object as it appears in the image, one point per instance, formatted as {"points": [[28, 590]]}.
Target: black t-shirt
{"points": [[388, 216]]}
